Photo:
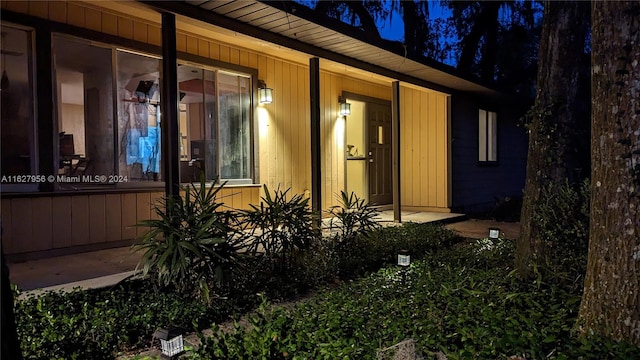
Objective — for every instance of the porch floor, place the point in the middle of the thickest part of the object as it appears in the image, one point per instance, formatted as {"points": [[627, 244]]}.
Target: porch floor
{"points": [[107, 267]]}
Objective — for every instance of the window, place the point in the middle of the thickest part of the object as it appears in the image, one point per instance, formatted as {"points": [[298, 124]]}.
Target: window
{"points": [[106, 127], [487, 136], [139, 119], [107, 115], [215, 124], [17, 131], [84, 99]]}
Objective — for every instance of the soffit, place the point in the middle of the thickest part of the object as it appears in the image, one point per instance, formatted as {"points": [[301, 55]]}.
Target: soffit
{"points": [[273, 20]]}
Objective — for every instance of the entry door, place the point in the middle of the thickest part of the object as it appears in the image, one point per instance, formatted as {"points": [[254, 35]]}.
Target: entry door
{"points": [[378, 119]]}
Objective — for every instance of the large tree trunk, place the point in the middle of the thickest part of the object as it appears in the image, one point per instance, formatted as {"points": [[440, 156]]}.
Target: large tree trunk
{"points": [[557, 119], [611, 299]]}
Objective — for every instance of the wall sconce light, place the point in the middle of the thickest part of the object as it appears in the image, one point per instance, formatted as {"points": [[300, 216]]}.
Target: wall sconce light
{"points": [[265, 94], [345, 107], [494, 233]]}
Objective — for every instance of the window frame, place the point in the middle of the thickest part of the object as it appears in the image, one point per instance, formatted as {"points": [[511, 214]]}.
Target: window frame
{"points": [[489, 138]]}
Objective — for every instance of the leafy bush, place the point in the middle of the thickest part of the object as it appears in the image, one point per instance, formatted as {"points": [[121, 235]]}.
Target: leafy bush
{"points": [[563, 223], [96, 324], [192, 243], [369, 253], [445, 303]]}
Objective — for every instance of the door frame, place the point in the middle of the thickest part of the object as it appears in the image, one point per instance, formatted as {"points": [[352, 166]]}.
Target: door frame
{"points": [[367, 99]]}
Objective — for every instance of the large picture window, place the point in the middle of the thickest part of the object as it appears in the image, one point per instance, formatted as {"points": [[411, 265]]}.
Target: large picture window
{"points": [[487, 136], [107, 115]]}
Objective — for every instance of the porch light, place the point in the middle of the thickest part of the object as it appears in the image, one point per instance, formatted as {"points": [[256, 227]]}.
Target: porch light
{"points": [[494, 233], [345, 107], [171, 342], [404, 258], [265, 94]]}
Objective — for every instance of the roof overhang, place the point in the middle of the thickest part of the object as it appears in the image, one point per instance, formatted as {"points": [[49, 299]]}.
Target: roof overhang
{"points": [[288, 24]]}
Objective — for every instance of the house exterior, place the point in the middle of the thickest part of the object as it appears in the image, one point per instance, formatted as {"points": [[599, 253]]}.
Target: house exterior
{"points": [[107, 106]]}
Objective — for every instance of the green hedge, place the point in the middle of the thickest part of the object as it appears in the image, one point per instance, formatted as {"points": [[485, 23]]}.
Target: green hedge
{"points": [[462, 301], [97, 324]]}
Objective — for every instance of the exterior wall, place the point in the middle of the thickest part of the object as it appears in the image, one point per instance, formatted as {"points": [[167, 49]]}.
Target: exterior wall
{"points": [[424, 150], [285, 127], [478, 187], [282, 136], [43, 223], [53, 222]]}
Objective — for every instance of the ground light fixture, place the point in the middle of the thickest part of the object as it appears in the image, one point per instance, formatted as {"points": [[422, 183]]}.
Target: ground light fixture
{"points": [[345, 107], [404, 258], [494, 233], [171, 342], [265, 94], [404, 261]]}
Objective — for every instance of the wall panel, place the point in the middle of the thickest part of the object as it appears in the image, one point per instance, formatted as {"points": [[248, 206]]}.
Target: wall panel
{"points": [[129, 216], [42, 236], [97, 219], [80, 220], [75, 15], [113, 217], [61, 216], [424, 146], [8, 240], [93, 19], [35, 8], [58, 11]]}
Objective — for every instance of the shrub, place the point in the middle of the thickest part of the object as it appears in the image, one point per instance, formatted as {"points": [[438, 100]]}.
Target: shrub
{"points": [[369, 253], [192, 243], [446, 303], [352, 218], [279, 229], [563, 223], [96, 324]]}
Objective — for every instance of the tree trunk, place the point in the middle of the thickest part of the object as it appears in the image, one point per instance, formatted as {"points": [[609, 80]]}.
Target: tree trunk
{"points": [[557, 119], [611, 300]]}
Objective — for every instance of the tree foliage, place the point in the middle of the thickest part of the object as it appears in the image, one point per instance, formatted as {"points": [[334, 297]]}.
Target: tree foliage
{"points": [[495, 41]]}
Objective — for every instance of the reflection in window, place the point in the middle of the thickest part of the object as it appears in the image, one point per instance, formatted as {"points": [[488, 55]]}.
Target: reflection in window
{"points": [[17, 104], [138, 117], [84, 94], [235, 139], [215, 123]]}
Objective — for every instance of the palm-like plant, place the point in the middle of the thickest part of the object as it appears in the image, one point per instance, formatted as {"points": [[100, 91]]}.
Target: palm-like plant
{"points": [[280, 227], [192, 243], [353, 217]]}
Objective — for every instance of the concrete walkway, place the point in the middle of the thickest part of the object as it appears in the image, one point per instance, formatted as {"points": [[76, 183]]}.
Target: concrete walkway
{"points": [[108, 267]]}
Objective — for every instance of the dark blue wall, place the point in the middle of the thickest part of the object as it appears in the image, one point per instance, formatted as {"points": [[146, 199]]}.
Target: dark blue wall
{"points": [[477, 187]]}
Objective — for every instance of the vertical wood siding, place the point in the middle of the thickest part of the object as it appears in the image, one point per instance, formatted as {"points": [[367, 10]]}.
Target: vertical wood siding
{"points": [[424, 149], [44, 223]]}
